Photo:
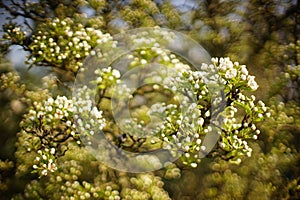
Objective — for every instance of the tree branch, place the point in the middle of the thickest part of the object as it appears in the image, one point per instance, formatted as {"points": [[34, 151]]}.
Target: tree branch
{"points": [[25, 13]]}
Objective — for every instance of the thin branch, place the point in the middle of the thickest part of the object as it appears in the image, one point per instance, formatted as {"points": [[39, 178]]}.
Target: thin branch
{"points": [[26, 13], [28, 25]]}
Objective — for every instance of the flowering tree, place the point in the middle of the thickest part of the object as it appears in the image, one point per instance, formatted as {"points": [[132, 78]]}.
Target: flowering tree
{"points": [[51, 129], [61, 124]]}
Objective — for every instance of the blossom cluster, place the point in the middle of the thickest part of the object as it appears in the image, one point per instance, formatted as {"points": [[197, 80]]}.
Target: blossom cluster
{"points": [[184, 124], [184, 130], [107, 77], [65, 44], [153, 49], [14, 34], [87, 117], [52, 111], [45, 161], [51, 124], [233, 72], [237, 128], [152, 38]]}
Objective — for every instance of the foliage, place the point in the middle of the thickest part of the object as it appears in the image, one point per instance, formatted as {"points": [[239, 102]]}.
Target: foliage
{"points": [[51, 162]]}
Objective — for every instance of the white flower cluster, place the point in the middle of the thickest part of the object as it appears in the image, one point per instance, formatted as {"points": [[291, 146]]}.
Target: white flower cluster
{"points": [[16, 30], [107, 77], [45, 161], [233, 72], [88, 118], [236, 129], [53, 122], [52, 111], [186, 131], [161, 56], [14, 34], [181, 133], [148, 39], [75, 42], [183, 127], [133, 125]]}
